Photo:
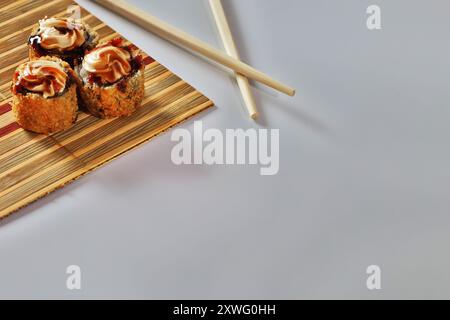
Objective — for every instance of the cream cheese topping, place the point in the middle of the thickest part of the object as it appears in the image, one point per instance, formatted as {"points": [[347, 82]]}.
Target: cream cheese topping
{"points": [[42, 76], [109, 63], [63, 34]]}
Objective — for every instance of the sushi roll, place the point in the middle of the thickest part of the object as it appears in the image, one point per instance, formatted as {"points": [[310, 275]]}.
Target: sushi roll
{"points": [[65, 38], [45, 95], [112, 76]]}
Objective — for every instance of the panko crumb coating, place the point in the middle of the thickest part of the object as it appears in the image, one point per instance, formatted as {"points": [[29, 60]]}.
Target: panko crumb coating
{"points": [[112, 79], [47, 103]]}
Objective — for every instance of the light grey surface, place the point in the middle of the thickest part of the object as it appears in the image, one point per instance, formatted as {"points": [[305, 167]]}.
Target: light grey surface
{"points": [[364, 176]]}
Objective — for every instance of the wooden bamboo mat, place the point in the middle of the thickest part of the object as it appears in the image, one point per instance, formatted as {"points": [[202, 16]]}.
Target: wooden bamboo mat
{"points": [[32, 165]]}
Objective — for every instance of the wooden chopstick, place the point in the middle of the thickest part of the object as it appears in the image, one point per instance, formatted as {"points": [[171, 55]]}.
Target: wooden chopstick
{"points": [[230, 47], [180, 37]]}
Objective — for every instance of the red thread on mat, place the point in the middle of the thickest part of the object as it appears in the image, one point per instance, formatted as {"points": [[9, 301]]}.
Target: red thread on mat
{"points": [[148, 60], [9, 128], [4, 108]]}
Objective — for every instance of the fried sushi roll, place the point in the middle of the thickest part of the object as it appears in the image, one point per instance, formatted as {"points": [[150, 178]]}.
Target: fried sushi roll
{"points": [[65, 38], [112, 78], [45, 95]]}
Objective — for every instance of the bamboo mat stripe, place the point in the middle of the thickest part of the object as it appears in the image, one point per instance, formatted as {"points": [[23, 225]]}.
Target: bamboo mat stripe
{"points": [[32, 165], [5, 108], [18, 8], [24, 19], [9, 128], [6, 3]]}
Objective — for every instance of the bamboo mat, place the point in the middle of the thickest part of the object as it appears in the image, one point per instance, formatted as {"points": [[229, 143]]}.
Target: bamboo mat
{"points": [[33, 165]]}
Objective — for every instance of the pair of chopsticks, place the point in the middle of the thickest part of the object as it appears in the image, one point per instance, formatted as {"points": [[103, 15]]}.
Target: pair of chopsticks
{"points": [[179, 37]]}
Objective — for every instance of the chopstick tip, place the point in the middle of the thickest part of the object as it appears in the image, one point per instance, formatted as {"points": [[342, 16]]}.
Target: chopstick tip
{"points": [[293, 92], [254, 115]]}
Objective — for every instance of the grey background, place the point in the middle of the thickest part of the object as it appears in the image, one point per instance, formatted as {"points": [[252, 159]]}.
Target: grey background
{"points": [[364, 169]]}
